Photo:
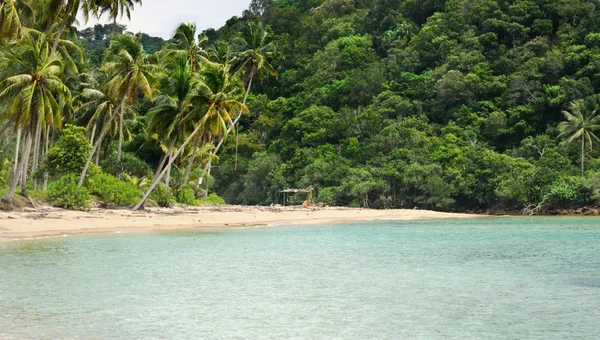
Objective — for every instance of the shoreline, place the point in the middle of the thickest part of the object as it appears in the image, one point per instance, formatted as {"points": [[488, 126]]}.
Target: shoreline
{"points": [[52, 222]]}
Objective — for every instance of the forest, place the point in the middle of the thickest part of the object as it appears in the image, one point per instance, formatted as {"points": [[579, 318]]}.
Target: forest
{"points": [[453, 105]]}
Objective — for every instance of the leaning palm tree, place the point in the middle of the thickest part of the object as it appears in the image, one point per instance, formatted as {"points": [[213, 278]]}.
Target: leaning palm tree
{"points": [[254, 50], [33, 93], [100, 109], [129, 72], [214, 99], [582, 122], [165, 118]]}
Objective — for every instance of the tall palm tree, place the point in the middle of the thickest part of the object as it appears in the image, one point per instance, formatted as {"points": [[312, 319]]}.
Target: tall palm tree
{"points": [[582, 121], [165, 118], [34, 94], [104, 114], [214, 99], [184, 41], [253, 52], [129, 72], [66, 11], [58, 15], [116, 8]]}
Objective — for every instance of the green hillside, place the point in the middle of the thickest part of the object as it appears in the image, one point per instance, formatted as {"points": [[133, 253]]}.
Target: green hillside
{"points": [[447, 105]]}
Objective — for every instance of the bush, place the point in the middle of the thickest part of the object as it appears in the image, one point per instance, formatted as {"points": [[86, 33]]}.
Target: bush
{"points": [[112, 191], [69, 154], [186, 196], [130, 164], [163, 196], [569, 192], [64, 193], [212, 199]]}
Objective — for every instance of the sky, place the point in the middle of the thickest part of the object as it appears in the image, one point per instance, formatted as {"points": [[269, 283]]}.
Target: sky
{"points": [[161, 18]]}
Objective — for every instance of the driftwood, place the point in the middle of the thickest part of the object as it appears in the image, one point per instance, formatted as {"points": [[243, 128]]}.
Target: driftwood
{"points": [[532, 209]]}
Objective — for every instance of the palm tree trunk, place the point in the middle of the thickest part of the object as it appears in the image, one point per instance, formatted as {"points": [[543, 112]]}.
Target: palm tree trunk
{"points": [[164, 171], [122, 111], [36, 152], [163, 159], [91, 155], [208, 176], [8, 198], [170, 164], [36, 148], [582, 154], [62, 28], [188, 169], [46, 148], [98, 154], [93, 133], [17, 147]]}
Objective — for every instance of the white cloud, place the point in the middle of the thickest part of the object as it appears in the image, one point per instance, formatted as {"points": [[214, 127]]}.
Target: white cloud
{"points": [[161, 18]]}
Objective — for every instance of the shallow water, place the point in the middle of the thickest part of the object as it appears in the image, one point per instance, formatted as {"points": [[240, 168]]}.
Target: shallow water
{"points": [[501, 278]]}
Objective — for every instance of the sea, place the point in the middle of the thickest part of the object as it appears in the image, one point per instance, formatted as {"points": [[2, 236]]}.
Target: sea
{"points": [[483, 278]]}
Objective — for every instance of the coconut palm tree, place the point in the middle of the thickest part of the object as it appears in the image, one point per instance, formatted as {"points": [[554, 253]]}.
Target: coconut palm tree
{"points": [[214, 99], [253, 52], [34, 94], [104, 115], [129, 72], [116, 8], [11, 25], [184, 41], [66, 11], [165, 118], [219, 52], [582, 121]]}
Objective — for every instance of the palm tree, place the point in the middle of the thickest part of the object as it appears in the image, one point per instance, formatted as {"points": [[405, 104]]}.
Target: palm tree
{"points": [[104, 114], [185, 42], [214, 102], [219, 52], [34, 94], [129, 72], [116, 8], [66, 12], [253, 51], [165, 118], [252, 57], [11, 25], [582, 121]]}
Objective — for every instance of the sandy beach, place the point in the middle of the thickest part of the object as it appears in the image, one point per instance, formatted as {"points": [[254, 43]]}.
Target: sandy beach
{"points": [[55, 222]]}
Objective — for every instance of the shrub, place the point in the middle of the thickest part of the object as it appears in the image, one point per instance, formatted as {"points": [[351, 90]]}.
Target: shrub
{"points": [[64, 193], [69, 154], [212, 199], [569, 192], [186, 196], [113, 191], [163, 196], [129, 164]]}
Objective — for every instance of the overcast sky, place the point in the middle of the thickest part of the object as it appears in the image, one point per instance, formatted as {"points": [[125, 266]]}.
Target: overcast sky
{"points": [[161, 18]]}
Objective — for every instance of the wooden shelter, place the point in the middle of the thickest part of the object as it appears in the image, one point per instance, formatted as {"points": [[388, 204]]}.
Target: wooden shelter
{"points": [[287, 191]]}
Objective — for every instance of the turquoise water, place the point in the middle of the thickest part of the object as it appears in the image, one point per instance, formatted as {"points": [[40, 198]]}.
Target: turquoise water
{"points": [[502, 278]]}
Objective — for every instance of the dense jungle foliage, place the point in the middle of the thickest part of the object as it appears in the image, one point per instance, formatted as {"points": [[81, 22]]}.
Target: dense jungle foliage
{"points": [[441, 104]]}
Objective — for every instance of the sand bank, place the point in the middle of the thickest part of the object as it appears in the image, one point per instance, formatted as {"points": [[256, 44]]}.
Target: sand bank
{"points": [[55, 222]]}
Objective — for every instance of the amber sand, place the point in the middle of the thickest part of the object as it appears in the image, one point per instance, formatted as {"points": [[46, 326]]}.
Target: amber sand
{"points": [[50, 222]]}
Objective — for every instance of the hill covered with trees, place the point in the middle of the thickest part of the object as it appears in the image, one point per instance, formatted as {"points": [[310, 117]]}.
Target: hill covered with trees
{"points": [[449, 105]]}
